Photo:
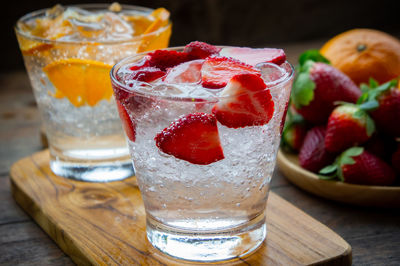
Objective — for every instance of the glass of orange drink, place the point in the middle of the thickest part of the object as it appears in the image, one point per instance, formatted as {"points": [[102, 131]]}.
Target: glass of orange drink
{"points": [[68, 53]]}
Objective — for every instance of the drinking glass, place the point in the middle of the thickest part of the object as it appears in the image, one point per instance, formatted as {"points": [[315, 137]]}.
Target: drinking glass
{"points": [[69, 73], [201, 212]]}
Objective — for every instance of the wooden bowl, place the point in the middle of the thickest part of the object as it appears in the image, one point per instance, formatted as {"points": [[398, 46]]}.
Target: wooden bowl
{"points": [[379, 196]]}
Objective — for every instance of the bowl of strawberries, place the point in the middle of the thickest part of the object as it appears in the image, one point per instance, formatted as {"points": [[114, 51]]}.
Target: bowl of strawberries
{"points": [[341, 139]]}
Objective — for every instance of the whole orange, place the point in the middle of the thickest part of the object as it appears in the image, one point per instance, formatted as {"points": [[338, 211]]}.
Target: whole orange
{"points": [[364, 53]]}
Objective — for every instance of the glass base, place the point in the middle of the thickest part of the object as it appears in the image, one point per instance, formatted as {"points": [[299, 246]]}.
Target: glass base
{"points": [[92, 172], [207, 246]]}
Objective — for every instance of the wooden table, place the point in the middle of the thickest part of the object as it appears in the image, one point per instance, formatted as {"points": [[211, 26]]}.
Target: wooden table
{"points": [[374, 234]]}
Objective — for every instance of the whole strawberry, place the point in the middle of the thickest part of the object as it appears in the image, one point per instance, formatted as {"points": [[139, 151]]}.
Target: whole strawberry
{"points": [[348, 125], [396, 159], [383, 102], [358, 166], [381, 145], [313, 156], [318, 86], [294, 132]]}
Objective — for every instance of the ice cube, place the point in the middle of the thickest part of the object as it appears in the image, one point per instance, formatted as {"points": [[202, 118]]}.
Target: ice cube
{"points": [[79, 13], [167, 90], [116, 27], [55, 11], [272, 73], [188, 72], [86, 30], [201, 92]]}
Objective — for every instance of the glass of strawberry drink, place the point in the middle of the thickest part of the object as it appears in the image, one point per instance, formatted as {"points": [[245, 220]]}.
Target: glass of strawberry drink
{"points": [[204, 126]]}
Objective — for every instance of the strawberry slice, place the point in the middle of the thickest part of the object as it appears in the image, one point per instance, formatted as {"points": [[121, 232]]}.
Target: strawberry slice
{"points": [[146, 74], [164, 59], [188, 72], [200, 50], [249, 102], [193, 138], [127, 123], [217, 71], [254, 56], [144, 62]]}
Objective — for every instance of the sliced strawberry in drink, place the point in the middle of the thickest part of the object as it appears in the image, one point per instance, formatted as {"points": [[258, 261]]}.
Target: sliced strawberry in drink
{"points": [[217, 71], [200, 50], [164, 59], [193, 138], [127, 123], [247, 102], [188, 72], [146, 74], [144, 62], [254, 56]]}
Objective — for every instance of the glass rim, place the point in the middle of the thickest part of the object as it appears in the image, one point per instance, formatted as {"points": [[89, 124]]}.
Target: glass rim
{"points": [[100, 6], [128, 89]]}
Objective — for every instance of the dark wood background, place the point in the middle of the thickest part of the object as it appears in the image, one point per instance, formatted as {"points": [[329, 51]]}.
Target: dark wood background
{"points": [[236, 22]]}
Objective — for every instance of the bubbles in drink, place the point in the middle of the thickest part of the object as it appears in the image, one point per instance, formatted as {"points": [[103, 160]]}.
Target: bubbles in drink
{"points": [[166, 90], [116, 28]]}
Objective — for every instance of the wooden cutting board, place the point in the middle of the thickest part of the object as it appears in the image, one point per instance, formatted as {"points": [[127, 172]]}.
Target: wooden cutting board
{"points": [[104, 223]]}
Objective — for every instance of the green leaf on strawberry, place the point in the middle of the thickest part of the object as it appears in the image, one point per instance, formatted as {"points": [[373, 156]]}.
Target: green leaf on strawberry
{"points": [[362, 115], [293, 132], [334, 170], [368, 100], [328, 169], [303, 86], [313, 55], [370, 105], [373, 83], [345, 157], [370, 125]]}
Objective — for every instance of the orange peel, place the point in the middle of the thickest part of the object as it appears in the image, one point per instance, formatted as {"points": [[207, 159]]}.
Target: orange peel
{"points": [[160, 18]]}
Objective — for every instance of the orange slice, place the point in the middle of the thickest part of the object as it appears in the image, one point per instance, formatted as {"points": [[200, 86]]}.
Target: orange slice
{"points": [[161, 16], [44, 28], [81, 81], [29, 47], [156, 41], [138, 23]]}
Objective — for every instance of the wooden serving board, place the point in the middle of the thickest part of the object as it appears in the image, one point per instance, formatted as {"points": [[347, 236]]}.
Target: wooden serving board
{"points": [[104, 223], [377, 196]]}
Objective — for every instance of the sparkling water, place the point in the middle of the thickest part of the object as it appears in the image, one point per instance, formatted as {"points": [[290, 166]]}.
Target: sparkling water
{"points": [[203, 212]]}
